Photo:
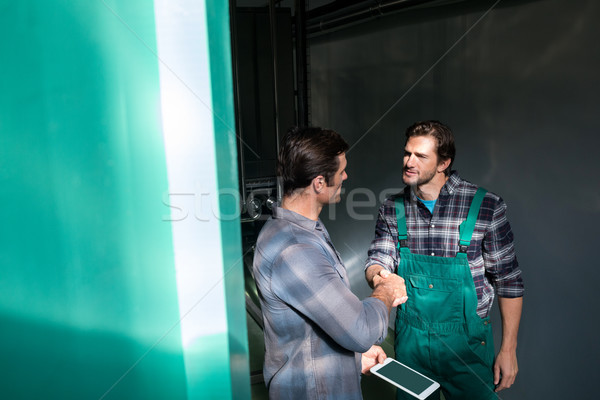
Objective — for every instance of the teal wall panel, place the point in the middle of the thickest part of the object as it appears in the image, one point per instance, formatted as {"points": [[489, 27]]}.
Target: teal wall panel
{"points": [[88, 298], [225, 147], [200, 144]]}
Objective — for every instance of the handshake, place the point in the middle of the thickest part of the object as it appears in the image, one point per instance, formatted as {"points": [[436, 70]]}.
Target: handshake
{"points": [[389, 288]]}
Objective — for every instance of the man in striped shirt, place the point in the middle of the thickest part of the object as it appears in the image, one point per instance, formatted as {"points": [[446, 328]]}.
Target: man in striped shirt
{"points": [[451, 271], [318, 335]]}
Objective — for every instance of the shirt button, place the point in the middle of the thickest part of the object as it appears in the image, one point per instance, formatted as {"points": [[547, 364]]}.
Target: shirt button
{"points": [[433, 225], [486, 322], [483, 343], [433, 254], [430, 286]]}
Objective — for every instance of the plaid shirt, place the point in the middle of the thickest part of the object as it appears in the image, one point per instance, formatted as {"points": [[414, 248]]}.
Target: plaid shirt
{"points": [[491, 254], [315, 328]]}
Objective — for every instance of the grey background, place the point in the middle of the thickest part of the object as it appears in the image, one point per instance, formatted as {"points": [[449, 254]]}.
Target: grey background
{"points": [[520, 91]]}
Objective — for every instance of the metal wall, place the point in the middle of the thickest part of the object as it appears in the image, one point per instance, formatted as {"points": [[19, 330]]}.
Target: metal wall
{"points": [[518, 83], [256, 86]]}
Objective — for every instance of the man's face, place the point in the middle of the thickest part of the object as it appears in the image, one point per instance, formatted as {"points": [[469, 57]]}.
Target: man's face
{"points": [[420, 160], [332, 193]]}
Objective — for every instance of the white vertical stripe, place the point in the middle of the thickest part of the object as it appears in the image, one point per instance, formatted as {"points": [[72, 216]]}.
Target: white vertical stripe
{"points": [[190, 150]]}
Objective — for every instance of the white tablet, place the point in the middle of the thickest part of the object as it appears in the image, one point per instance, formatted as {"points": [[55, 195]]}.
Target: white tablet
{"points": [[405, 378]]}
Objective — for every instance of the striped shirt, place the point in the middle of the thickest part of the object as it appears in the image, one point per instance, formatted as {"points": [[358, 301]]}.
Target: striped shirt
{"points": [[491, 254], [314, 326]]}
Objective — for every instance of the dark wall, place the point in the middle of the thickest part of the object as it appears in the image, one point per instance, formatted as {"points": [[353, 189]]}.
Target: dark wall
{"points": [[519, 86], [253, 63]]}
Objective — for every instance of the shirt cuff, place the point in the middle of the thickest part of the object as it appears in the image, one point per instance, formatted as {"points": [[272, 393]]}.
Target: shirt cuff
{"points": [[378, 262]]}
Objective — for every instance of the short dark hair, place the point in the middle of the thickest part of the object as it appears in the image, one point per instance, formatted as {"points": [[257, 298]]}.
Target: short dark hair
{"points": [[306, 153], [443, 135]]}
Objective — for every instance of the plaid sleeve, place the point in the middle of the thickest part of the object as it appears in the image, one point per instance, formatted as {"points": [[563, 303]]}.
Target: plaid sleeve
{"points": [[499, 255], [305, 279], [383, 247]]}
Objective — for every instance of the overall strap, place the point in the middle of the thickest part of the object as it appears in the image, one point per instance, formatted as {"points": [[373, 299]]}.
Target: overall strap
{"points": [[468, 226], [401, 218]]}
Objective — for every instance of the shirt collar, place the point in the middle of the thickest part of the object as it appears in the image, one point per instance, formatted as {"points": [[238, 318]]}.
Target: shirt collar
{"points": [[451, 184], [295, 218]]}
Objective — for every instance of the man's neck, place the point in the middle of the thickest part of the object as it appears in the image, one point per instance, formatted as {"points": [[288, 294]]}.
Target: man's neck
{"points": [[431, 190], [302, 203]]}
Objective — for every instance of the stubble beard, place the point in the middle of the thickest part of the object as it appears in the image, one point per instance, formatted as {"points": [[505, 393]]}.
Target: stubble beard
{"points": [[422, 180]]}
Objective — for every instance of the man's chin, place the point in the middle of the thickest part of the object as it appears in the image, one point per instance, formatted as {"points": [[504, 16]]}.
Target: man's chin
{"points": [[408, 181], [335, 199]]}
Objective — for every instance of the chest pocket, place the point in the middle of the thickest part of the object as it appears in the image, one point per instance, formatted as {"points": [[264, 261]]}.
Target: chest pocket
{"points": [[434, 298]]}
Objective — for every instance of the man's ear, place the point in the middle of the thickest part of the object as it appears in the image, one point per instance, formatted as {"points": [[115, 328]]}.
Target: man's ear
{"points": [[318, 183], [443, 165]]}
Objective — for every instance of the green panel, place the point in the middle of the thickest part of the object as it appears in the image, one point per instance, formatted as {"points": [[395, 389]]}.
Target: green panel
{"points": [[88, 301], [225, 143], [209, 368]]}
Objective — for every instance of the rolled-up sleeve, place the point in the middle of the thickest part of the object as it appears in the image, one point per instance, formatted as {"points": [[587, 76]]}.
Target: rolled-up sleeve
{"points": [[306, 280], [499, 255], [383, 250]]}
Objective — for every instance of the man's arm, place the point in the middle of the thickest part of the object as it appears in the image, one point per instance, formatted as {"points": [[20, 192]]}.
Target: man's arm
{"points": [[505, 367], [502, 265], [382, 253], [305, 279]]}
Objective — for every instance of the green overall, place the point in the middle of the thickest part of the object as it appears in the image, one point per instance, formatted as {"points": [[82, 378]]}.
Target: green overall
{"points": [[438, 331]]}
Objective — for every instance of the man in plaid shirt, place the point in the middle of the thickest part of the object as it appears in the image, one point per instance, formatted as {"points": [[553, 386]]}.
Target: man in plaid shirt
{"points": [[443, 330], [318, 335]]}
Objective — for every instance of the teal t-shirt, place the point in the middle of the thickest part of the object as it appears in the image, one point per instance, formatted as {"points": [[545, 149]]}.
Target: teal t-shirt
{"points": [[430, 204]]}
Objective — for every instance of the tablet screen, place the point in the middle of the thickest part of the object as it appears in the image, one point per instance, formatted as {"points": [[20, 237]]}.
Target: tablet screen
{"points": [[405, 377]]}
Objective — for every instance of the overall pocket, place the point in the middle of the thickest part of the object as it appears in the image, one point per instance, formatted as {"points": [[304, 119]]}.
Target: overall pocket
{"points": [[433, 298], [480, 342]]}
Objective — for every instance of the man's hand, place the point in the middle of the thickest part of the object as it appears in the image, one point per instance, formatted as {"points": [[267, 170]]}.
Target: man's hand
{"points": [[505, 369], [389, 288], [375, 355], [372, 274], [381, 274]]}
